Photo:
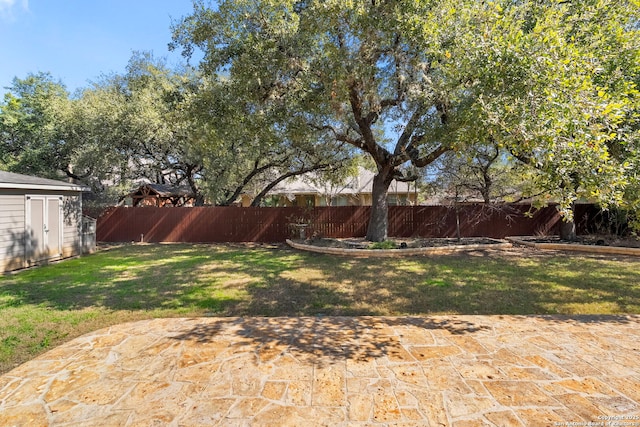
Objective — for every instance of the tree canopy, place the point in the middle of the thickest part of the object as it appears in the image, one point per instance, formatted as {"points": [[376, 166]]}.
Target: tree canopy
{"points": [[556, 86], [291, 86], [407, 81], [31, 137], [244, 150], [154, 124]]}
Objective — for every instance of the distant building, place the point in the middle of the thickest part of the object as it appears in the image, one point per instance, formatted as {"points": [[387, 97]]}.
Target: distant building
{"points": [[160, 195], [306, 190]]}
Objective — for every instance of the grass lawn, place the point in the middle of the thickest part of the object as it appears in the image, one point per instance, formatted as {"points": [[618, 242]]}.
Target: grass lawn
{"points": [[42, 307]]}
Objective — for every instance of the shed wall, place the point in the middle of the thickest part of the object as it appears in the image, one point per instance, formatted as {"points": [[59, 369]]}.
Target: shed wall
{"points": [[12, 229]]}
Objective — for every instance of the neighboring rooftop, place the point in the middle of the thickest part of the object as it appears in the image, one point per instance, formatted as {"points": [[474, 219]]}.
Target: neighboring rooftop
{"points": [[169, 190], [161, 195], [353, 185]]}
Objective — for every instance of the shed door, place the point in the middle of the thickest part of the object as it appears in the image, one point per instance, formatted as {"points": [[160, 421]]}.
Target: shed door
{"points": [[44, 224]]}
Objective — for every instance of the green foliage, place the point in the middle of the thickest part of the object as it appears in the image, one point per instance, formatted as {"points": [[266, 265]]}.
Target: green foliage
{"points": [[244, 148], [32, 139], [552, 83], [132, 126], [387, 244], [155, 124], [556, 86]]}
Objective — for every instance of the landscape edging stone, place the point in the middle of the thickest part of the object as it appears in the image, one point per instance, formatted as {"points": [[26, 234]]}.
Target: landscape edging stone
{"points": [[610, 250], [396, 252]]}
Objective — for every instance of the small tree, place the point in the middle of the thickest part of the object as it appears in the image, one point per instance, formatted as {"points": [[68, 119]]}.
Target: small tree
{"points": [[490, 179], [484, 174], [562, 95]]}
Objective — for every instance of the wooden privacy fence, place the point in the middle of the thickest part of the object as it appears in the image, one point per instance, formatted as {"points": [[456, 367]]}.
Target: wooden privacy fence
{"points": [[237, 224]]}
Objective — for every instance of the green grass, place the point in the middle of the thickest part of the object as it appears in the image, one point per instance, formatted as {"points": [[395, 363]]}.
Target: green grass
{"points": [[42, 307]]}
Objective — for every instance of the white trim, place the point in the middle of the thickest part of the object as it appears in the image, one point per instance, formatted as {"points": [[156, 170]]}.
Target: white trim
{"points": [[28, 249], [70, 187], [60, 225]]}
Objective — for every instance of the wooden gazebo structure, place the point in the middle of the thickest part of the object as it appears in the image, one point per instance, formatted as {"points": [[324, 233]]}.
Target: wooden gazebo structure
{"points": [[162, 195]]}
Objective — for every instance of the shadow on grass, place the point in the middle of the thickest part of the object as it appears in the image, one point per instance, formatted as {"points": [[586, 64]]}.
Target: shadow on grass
{"points": [[162, 277], [209, 280], [237, 281], [555, 284]]}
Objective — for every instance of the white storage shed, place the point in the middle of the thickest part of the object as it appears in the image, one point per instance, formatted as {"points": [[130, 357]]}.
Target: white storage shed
{"points": [[40, 220]]}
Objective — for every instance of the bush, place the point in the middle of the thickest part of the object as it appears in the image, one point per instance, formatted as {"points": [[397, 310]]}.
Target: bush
{"points": [[387, 244]]}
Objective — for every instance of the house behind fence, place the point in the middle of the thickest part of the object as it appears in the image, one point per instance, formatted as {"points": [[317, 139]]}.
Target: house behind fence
{"points": [[307, 191]]}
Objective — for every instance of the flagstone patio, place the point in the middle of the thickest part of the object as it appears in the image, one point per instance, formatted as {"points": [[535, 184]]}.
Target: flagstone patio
{"points": [[337, 371]]}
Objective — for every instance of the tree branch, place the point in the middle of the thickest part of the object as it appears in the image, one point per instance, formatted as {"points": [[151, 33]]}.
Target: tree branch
{"points": [[405, 139], [379, 154], [340, 136], [431, 157], [400, 177], [82, 177], [238, 190], [258, 199]]}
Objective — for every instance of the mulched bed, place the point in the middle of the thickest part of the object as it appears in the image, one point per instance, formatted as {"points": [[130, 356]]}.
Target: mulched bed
{"points": [[595, 240], [398, 243]]}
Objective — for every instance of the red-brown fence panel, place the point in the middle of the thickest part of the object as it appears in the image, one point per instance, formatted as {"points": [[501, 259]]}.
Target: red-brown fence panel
{"points": [[339, 222], [237, 224]]}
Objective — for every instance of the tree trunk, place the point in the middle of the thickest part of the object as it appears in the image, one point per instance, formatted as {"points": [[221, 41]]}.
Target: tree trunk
{"points": [[199, 199], [190, 171], [458, 235], [379, 220], [568, 228]]}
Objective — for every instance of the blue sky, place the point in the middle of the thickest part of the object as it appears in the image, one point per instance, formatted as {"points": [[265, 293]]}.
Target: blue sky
{"points": [[79, 40]]}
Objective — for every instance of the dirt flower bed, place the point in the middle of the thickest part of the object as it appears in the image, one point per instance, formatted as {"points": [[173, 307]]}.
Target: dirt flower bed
{"points": [[398, 243], [592, 240]]}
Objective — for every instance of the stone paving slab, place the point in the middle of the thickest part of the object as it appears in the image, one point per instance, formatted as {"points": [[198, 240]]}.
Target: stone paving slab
{"points": [[460, 371]]}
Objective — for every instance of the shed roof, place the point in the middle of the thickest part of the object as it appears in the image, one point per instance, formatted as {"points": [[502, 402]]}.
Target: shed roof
{"points": [[28, 182]]}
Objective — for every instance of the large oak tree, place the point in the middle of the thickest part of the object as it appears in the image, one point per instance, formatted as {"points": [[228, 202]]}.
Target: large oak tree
{"points": [[407, 81], [358, 72]]}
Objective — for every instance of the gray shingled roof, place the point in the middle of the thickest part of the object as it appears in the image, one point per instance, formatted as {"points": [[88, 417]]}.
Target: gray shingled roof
{"points": [[172, 190], [28, 182], [163, 190]]}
